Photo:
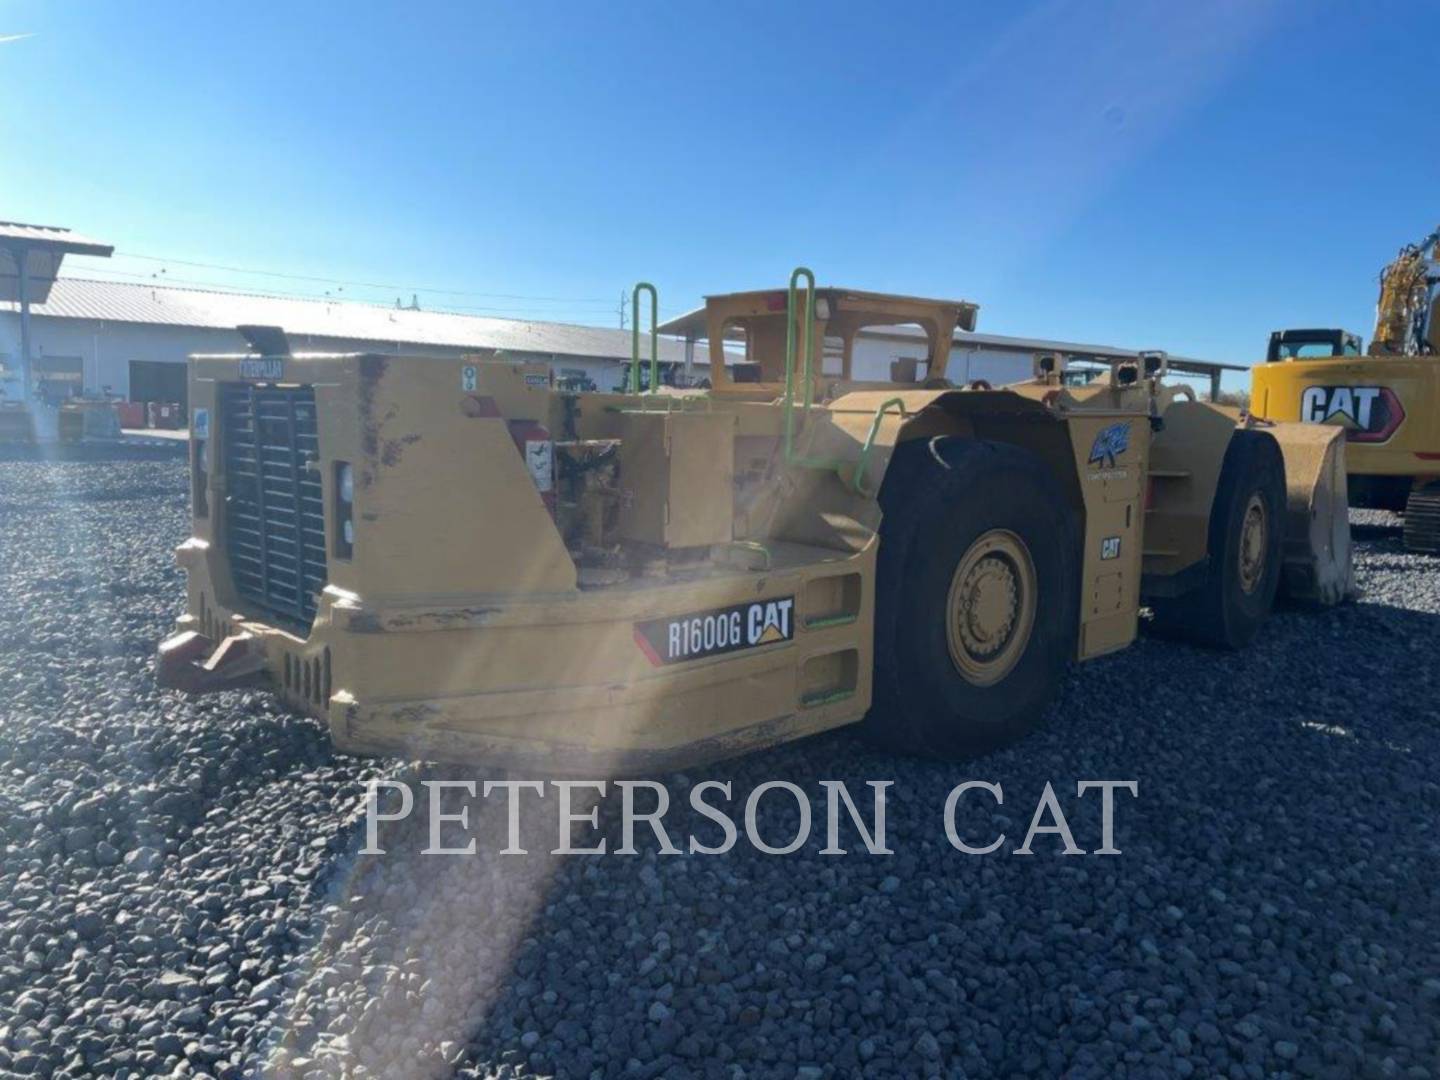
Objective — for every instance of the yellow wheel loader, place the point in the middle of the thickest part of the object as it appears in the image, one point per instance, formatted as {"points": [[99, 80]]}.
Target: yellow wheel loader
{"points": [[1386, 399], [452, 560]]}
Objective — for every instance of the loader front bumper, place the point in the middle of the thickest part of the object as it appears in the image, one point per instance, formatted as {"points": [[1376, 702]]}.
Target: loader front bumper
{"points": [[555, 684], [554, 733]]}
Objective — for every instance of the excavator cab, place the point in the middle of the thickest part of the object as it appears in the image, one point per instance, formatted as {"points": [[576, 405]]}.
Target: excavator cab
{"points": [[1312, 344]]}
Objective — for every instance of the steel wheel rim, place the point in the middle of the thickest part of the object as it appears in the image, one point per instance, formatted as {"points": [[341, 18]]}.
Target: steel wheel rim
{"points": [[1254, 537], [990, 609]]}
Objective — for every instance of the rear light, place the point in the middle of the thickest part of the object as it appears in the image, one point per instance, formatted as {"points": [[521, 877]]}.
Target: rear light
{"points": [[200, 462], [344, 510]]}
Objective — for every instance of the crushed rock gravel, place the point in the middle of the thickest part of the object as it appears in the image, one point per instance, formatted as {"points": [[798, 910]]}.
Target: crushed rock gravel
{"points": [[182, 891]]}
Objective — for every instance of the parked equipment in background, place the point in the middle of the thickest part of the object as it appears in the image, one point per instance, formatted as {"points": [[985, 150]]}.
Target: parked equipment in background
{"points": [[89, 418], [166, 415], [451, 560], [131, 413], [16, 422], [1386, 399]]}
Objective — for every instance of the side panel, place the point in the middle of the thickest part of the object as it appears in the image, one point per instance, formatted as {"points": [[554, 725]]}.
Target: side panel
{"points": [[1111, 458], [445, 502], [644, 477], [1388, 406], [677, 474], [702, 479], [1187, 455]]}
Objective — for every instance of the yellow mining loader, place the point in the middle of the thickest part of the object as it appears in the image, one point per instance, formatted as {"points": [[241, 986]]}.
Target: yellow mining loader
{"points": [[450, 559], [1386, 399]]}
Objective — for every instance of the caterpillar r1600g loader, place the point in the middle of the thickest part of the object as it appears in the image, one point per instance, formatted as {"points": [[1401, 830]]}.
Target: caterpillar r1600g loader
{"points": [[1386, 398], [449, 559]]}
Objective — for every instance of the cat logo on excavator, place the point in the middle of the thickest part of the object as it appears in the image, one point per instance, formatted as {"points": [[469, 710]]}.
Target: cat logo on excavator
{"points": [[1368, 413]]}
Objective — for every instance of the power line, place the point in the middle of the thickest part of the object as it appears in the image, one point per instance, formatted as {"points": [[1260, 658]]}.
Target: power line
{"points": [[340, 283], [360, 284], [285, 294]]}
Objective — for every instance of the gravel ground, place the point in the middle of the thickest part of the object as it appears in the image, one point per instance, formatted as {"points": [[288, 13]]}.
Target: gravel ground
{"points": [[181, 889]]}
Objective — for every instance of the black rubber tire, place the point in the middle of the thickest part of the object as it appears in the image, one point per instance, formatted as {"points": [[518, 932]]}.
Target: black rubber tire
{"points": [[1218, 613], [940, 495]]}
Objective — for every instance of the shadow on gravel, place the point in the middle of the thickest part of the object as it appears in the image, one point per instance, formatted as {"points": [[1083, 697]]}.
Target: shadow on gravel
{"points": [[1386, 531]]}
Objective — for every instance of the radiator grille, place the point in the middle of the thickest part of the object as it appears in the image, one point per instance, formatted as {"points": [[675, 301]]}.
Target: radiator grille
{"points": [[275, 510]]}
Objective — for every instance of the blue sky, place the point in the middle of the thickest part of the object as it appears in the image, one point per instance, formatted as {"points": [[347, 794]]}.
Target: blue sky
{"points": [[1182, 176]]}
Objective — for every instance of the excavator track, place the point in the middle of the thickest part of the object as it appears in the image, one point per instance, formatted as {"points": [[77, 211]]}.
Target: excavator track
{"points": [[1422, 520]]}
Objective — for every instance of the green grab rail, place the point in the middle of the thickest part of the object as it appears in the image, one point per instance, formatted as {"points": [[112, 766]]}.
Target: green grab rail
{"points": [[825, 697], [863, 463], [755, 546], [795, 276], [635, 338], [823, 621], [792, 458], [854, 479]]}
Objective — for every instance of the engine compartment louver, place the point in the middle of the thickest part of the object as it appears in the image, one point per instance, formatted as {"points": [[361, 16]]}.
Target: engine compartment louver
{"points": [[274, 523]]}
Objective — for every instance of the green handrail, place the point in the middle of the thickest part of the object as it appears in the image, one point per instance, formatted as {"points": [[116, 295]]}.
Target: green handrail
{"points": [[795, 276], [806, 332], [635, 338], [862, 465]]}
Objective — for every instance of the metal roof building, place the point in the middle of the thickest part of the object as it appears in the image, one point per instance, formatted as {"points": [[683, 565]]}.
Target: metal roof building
{"points": [[1001, 358], [327, 320], [134, 338]]}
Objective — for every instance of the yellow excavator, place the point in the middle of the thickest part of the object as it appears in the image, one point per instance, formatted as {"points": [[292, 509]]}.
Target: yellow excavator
{"points": [[1386, 397]]}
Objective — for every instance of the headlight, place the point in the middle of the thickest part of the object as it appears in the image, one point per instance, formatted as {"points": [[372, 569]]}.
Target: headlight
{"points": [[343, 505], [200, 479]]}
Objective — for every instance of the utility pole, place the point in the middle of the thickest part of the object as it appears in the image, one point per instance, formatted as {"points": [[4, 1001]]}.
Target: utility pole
{"points": [[623, 301], [19, 242], [22, 262]]}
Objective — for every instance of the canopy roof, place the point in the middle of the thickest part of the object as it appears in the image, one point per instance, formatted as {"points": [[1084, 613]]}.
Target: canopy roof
{"points": [[43, 248], [693, 324]]}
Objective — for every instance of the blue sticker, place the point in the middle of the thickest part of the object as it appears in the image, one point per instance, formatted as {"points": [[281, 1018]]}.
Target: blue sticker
{"points": [[200, 429], [1109, 444]]}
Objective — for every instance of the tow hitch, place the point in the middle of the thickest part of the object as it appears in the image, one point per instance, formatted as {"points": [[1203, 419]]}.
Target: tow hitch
{"points": [[191, 662]]}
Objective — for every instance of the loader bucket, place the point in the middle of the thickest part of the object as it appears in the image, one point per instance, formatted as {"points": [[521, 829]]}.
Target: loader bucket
{"points": [[1317, 567]]}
